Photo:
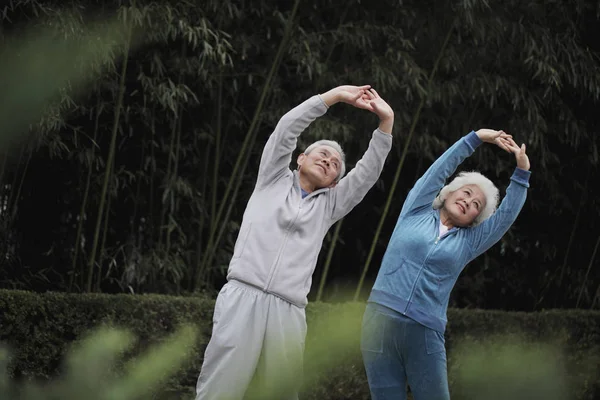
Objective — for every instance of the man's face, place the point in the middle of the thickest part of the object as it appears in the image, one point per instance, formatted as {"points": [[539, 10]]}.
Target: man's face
{"points": [[321, 166], [464, 205]]}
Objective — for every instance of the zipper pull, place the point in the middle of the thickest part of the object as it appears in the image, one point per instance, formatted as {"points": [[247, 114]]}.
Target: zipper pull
{"points": [[437, 240]]}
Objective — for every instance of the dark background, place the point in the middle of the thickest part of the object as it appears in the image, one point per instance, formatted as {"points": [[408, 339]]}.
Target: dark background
{"points": [[203, 88]]}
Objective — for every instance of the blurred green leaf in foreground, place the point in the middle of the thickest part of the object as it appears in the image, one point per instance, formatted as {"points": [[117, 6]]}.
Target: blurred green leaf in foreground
{"points": [[49, 62], [94, 369]]}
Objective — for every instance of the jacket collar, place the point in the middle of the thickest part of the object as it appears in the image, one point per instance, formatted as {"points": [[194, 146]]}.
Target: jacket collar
{"points": [[437, 217], [298, 188]]}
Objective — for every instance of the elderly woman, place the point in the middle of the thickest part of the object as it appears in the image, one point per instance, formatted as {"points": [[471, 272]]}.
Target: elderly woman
{"points": [[437, 234]]}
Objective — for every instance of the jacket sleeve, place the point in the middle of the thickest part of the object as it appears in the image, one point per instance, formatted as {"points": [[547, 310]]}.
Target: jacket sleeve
{"points": [[491, 230], [428, 186], [353, 187], [277, 153]]}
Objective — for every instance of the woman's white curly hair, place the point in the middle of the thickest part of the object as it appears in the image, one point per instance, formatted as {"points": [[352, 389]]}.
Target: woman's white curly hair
{"points": [[334, 145], [490, 191]]}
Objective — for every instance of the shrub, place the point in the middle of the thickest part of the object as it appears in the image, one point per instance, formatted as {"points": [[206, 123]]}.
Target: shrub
{"points": [[39, 328]]}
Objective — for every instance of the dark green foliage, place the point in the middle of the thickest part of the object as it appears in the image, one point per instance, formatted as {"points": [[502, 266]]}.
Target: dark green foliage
{"points": [[196, 75], [40, 327], [98, 367]]}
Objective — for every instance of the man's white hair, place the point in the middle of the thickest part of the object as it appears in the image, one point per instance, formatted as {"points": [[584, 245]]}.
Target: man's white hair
{"points": [[334, 145], [490, 191]]}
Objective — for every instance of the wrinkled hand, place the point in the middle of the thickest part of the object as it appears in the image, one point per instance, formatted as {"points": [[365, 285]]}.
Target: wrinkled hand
{"points": [[377, 105], [362, 97], [353, 95], [519, 152], [493, 136], [349, 94]]}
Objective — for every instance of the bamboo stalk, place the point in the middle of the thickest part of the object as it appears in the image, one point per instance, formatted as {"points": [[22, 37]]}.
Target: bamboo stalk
{"points": [[225, 133], [3, 196], [575, 225], [400, 164], [152, 173], [552, 278], [85, 199], [111, 156], [15, 205], [336, 234], [250, 137], [104, 234], [173, 208], [206, 271], [11, 196], [193, 284], [168, 186], [587, 273], [138, 191], [3, 169], [215, 183]]}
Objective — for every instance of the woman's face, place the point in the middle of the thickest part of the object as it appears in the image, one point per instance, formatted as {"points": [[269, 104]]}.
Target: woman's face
{"points": [[464, 205]]}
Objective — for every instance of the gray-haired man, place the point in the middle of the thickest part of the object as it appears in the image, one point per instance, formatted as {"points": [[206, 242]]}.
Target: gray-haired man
{"points": [[259, 324]]}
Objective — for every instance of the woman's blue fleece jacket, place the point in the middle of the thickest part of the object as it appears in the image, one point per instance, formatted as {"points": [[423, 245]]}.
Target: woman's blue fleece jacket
{"points": [[419, 268]]}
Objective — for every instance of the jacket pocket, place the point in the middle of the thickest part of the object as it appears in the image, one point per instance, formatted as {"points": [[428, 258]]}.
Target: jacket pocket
{"points": [[434, 341], [240, 242], [373, 331], [394, 268]]}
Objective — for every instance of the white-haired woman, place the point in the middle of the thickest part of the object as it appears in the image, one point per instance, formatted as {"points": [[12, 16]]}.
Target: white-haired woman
{"points": [[437, 234]]}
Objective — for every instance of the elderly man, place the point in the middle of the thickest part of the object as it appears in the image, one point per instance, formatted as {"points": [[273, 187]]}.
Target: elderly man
{"points": [[259, 324]]}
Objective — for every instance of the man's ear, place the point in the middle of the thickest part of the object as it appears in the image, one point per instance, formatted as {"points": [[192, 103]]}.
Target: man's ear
{"points": [[300, 159]]}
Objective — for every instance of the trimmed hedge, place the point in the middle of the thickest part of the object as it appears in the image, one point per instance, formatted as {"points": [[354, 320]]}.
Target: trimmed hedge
{"points": [[39, 328]]}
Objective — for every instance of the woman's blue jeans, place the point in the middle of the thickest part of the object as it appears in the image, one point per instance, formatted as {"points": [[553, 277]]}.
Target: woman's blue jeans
{"points": [[398, 351]]}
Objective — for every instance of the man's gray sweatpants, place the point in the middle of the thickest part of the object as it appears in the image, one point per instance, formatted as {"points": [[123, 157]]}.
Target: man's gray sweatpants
{"points": [[253, 332]]}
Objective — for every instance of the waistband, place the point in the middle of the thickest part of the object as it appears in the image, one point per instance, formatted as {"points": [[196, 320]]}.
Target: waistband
{"points": [[255, 289]]}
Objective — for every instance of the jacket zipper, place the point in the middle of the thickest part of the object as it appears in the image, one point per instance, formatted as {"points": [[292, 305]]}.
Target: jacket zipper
{"points": [[437, 240], [291, 224], [283, 246]]}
